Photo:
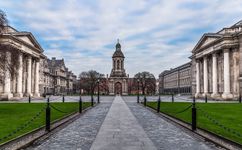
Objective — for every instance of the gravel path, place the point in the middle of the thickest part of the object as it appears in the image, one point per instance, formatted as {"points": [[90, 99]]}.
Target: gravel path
{"points": [[80, 134], [164, 134]]}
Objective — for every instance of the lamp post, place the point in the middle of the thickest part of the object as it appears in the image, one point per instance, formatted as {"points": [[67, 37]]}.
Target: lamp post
{"points": [[138, 93], [98, 91]]}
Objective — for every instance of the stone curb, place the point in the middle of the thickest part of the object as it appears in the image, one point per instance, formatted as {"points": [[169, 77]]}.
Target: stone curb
{"points": [[29, 138], [207, 135]]}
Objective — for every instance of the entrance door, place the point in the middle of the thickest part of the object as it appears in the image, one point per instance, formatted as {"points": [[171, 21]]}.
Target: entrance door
{"points": [[118, 88]]}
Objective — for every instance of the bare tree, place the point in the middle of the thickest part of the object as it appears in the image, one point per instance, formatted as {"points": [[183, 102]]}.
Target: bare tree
{"points": [[88, 80], [147, 82], [8, 61], [3, 21]]}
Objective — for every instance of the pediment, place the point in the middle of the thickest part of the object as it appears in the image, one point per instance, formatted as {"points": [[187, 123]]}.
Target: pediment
{"points": [[205, 40], [28, 38]]}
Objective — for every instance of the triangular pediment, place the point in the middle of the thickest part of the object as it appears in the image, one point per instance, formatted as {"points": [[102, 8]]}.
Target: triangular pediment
{"points": [[205, 40], [28, 38]]}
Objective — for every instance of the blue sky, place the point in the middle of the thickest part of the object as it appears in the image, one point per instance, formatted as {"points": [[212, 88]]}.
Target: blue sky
{"points": [[155, 34]]}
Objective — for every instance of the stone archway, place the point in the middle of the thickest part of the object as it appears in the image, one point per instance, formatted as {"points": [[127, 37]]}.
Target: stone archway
{"points": [[118, 88]]}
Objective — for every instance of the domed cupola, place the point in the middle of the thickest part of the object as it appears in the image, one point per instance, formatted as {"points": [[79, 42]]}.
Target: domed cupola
{"points": [[118, 52]]}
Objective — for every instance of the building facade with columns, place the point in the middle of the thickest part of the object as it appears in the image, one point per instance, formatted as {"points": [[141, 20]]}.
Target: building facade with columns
{"points": [[57, 79], [176, 80], [217, 64], [118, 80], [25, 82]]}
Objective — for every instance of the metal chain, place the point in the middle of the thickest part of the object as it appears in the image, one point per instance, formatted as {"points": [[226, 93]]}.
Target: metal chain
{"points": [[57, 109]]}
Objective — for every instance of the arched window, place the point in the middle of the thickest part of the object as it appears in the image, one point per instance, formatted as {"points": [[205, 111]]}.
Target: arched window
{"points": [[118, 64]]}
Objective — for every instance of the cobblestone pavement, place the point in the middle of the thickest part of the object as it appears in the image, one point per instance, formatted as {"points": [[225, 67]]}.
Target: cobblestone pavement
{"points": [[164, 134], [80, 134], [121, 131]]}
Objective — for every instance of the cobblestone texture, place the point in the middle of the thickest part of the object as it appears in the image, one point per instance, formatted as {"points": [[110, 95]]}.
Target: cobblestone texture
{"points": [[80, 134], [164, 134]]}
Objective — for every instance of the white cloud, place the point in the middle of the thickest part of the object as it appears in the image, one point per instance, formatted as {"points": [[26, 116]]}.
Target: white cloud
{"points": [[153, 33]]}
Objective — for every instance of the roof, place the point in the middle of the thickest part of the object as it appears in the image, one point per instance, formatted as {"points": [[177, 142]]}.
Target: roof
{"points": [[118, 52]]}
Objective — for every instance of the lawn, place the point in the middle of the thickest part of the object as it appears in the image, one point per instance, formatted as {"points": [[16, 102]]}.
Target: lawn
{"points": [[15, 115], [224, 119]]}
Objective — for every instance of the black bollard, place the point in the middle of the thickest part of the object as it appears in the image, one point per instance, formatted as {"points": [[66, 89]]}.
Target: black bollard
{"points": [[145, 100], [158, 105], [80, 105], [63, 98], [47, 116], [92, 102], [138, 98], [172, 98], [29, 99], [239, 98], [194, 115], [206, 98]]}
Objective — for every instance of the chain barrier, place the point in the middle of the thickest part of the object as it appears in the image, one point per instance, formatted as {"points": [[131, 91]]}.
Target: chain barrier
{"points": [[23, 126], [57, 109], [234, 132], [183, 110]]}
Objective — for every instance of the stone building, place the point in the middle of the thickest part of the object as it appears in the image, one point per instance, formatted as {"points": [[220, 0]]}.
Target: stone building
{"points": [[58, 79], [26, 81], [216, 64], [118, 80], [177, 80]]}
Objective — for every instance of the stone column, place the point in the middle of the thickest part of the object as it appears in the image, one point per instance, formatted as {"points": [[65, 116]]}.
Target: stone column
{"points": [[226, 94], [29, 73], [215, 77], [197, 80], [36, 82], [7, 79], [205, 75], [20, 76]]}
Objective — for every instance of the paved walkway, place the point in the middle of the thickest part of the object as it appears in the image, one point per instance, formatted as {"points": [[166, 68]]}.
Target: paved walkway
{"points": [[121, 131], [163, 134], [121, 125], [80, 134]]}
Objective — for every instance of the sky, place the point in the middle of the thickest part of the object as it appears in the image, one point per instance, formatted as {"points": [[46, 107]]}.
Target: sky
{"points": [[155, 35]]}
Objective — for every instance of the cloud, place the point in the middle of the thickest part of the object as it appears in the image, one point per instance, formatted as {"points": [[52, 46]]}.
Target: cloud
{"points": [[155, 35]]}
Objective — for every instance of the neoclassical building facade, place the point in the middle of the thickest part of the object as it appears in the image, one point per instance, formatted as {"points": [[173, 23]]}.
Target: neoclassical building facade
{"points": [[118, 80], [176, 80], [217, 64], [25, 82]]}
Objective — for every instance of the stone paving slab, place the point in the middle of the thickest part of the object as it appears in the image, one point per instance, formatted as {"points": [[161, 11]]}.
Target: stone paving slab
{"points": [[121, 131], [78, 135], [163, 134]]}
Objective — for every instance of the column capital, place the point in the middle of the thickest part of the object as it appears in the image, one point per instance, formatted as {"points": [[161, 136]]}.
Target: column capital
{"points": [[226, 50], [214, 54]]}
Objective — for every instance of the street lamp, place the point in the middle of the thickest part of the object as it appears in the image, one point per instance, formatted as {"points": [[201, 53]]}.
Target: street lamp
{"points": [[138, 93], [98, 91]]}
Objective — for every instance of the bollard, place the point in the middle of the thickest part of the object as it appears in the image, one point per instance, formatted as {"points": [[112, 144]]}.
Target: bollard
{"points": [[138, 98], [239, 98], [29, 99], [172, 98], [206, 98], [63, 98], [144, 100], [80, 105], [92, 100], [194, 115], [47, 116], [158, 105]]}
